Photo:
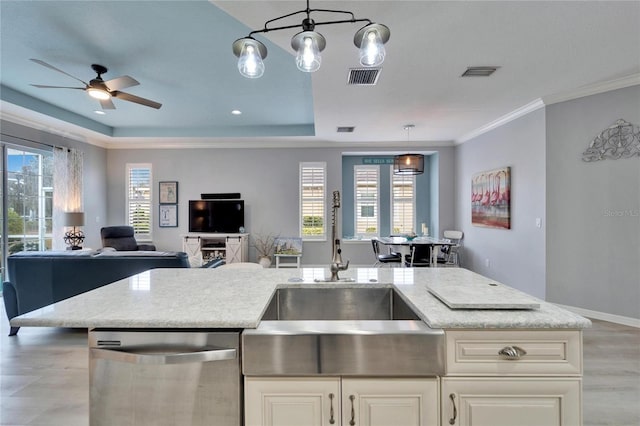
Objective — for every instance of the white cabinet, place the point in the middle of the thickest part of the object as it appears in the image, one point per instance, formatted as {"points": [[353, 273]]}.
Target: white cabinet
{"points": [[512, 377], [330, 401], [383, 402], [292, 401], [202, 248], [523, 401]]}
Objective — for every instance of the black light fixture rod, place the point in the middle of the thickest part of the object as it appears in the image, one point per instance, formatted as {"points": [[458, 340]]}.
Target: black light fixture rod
{"points": [[346, 21], [308, 12]]}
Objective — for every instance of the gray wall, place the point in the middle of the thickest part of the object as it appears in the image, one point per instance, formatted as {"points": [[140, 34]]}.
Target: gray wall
{"points": [[516, 256], [593, 234], [94, 171], [268, 180]]}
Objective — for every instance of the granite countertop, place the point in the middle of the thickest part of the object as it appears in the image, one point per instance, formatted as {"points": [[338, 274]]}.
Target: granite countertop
{"points": [[237, 298]]}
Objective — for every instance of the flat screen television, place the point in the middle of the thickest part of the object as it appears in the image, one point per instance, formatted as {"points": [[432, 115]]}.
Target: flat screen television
{"points": [[220, 216]]}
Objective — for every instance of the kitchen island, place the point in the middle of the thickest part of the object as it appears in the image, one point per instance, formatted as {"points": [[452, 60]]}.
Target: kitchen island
{"points": [[480, 385]]}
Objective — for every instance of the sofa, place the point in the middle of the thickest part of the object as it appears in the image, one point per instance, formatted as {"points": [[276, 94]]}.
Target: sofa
{"points": [[37, 279]]}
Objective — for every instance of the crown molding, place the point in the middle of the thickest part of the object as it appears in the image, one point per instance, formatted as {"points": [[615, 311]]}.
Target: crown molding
{"points": [[35, 120], [580, 92], [593, 89], [524, 110]]}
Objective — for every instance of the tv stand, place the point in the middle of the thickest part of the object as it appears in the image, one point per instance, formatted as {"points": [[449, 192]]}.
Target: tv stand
{"points": [[203, 247]]}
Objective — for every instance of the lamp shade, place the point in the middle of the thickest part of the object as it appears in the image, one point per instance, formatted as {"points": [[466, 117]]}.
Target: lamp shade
{"points": [[73, 219], [408, 164]]}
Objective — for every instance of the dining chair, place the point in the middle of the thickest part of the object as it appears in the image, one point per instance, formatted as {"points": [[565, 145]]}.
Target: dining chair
{"points": [[450, 255], [390, 258], [419, 256]]}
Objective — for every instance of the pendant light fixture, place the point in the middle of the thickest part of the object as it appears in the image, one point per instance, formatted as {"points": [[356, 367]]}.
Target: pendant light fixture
{"points": [[308, 43], [408, 164]]}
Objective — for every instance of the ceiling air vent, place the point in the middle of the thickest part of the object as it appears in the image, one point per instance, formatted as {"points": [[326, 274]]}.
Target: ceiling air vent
{"points": [[345, 129], [479, 71], [363, 76]]}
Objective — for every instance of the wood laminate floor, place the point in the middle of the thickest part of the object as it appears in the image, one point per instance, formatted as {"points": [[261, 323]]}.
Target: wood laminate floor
{"points": [[44, 376]]}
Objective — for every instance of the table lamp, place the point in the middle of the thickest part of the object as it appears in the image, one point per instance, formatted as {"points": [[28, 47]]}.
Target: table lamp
{"points": [[74, 238]]}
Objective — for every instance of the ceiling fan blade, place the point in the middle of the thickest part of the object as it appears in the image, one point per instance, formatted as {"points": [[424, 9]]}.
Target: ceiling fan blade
{"points": [[121, 82], [107, 104], [42, 86], [133, 98], [44, 64]]}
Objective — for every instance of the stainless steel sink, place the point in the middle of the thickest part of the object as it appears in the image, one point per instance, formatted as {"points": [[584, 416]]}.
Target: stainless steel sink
{"points": [[342, 331], [296, 304]]}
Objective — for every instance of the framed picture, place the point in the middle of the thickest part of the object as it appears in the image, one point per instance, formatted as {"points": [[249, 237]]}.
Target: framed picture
{"points": [[168, 216], [490, 198], [168, 192]]}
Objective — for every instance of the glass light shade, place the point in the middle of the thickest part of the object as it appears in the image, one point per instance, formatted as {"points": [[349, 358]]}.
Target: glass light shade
{"points": [[372, 49], [308, 58], [250, 62], [408, 164], [99, 94]]}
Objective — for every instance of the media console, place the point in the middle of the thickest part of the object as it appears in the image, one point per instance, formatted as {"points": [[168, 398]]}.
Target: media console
{"points": [[204, 247]]}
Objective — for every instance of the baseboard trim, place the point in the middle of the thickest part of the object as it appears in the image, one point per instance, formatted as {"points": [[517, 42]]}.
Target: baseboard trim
{"points": [[618, 319]]}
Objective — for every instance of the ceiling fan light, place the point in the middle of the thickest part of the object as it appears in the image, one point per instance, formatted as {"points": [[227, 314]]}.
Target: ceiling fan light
{"points": [[100, 94], [408, 164], [250, 53], [371, 39], [308, 45]]}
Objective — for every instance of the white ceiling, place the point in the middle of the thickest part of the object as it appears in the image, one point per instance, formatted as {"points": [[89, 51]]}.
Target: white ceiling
{"points": [[180, 52]]}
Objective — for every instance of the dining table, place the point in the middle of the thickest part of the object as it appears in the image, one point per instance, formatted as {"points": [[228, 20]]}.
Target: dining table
{"points": [[405, 243]]}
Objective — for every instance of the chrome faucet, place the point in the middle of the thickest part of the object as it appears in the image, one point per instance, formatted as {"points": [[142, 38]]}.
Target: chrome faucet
{"points": [[336, 254]]}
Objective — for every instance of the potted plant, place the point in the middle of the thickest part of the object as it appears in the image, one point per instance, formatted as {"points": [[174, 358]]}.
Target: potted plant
{"points": [[264, 245]]}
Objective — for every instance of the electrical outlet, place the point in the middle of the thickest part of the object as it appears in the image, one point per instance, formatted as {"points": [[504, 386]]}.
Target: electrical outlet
{"points": [[487, 262]]}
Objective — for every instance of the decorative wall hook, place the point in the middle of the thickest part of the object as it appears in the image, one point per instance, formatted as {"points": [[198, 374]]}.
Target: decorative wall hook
{"points": [[621, 140]]}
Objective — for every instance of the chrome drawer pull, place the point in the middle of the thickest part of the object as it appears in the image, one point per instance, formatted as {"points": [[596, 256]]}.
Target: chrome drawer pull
{"points": [[512, 352]]}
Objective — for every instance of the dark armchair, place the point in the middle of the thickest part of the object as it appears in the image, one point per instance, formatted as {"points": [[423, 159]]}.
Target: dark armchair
{"points": [[122, 238]]}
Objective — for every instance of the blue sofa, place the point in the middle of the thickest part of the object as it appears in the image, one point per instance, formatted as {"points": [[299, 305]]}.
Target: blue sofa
{"points": [[37, 279]]}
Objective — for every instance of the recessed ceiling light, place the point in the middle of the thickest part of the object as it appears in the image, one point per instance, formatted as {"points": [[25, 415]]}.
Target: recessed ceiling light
{"points": [[236, 112], [100, 112]]}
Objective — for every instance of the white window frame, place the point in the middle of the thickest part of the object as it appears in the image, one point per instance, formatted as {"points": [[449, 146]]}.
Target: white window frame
{"points": [[356, 204], [392, 179], [322, 199], [129, 201]]}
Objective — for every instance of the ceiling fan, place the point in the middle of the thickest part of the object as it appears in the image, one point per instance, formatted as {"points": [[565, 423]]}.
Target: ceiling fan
{"points": [[102, 90]]}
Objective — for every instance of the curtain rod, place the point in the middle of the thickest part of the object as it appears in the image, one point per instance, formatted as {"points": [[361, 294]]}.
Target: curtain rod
{"points": [[36, 142]]}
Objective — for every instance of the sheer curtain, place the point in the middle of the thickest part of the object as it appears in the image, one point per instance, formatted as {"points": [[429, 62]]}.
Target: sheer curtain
{"points": [[67, 192]]}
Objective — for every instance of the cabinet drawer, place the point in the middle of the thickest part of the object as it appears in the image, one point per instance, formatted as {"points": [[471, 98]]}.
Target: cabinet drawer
{"points": [[514, 353]]}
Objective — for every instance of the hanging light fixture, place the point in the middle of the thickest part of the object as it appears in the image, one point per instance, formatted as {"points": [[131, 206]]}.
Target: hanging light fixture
{"points": [[308, 43], [408, 164]]}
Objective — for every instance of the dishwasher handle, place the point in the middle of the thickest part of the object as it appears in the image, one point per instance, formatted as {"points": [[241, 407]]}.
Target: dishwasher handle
{"points": [[143, 357]]}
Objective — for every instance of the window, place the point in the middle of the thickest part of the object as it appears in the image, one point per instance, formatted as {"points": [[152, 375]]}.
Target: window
{"points": [[366, 179], [139, 200], [403, 201], [313, 182], [26, 207]]}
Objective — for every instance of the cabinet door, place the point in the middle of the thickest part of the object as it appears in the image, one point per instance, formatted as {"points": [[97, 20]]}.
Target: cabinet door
{"points": [[292, 402], [508, 402], [384, 402]]}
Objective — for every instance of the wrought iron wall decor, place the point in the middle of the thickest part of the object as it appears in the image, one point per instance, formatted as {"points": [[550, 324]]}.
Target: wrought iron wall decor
{"points": [[621, 140]]}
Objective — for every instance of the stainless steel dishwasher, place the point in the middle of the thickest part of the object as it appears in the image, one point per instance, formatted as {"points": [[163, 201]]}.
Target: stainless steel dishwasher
{"points": [[164, 377]]}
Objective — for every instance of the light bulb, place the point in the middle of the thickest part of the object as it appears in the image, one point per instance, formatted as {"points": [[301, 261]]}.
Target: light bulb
{"points": [[308, 58], [250, 62], [99, 94], [372, 50]]}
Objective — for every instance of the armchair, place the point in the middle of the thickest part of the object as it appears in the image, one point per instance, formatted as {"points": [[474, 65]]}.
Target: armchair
{"points": [[121, 238]]}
